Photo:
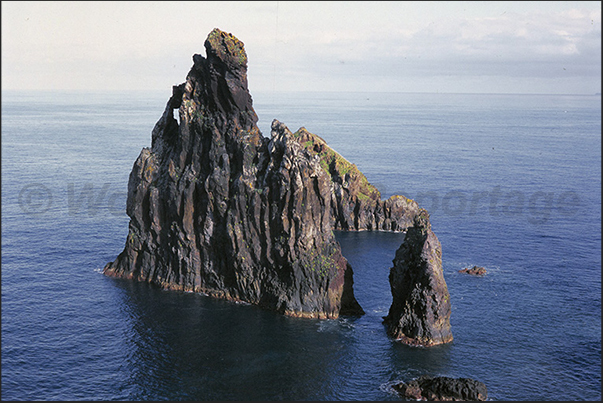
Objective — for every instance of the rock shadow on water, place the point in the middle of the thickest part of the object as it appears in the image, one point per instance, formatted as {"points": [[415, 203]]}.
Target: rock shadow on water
{"points": [[186, 346]]}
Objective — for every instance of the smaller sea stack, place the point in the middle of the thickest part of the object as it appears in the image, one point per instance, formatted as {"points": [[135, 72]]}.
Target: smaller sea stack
{"points": [[420, 310]]}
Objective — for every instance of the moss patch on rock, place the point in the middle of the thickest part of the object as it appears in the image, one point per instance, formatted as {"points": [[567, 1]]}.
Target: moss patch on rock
{"points": [[337, 166]]}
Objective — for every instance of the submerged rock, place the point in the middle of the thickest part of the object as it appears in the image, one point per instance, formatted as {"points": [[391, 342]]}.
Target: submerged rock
{"points": [[420, 310], [443, 388], [474, 271]]}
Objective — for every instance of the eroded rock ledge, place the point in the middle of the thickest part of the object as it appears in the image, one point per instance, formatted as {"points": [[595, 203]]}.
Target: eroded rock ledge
{"points": [[217, 208]]}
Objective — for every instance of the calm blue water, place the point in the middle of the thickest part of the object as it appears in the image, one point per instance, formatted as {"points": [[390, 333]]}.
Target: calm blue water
{"points": [[512, 182]]}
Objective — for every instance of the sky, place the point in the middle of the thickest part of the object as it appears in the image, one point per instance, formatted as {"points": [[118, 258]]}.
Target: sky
{"points": [[538, 47]]}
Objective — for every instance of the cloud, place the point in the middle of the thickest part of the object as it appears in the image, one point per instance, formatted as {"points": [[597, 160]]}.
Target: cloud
{"points": [[536, 45], [507, 37], [382, 46]]}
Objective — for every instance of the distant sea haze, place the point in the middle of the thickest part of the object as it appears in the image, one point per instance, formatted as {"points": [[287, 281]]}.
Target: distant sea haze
{"points": [[512, 184]]}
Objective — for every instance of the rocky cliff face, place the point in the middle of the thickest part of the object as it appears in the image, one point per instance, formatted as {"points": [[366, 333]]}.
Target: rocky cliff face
{"points": [[420, 311], [356, 204], [217, 208]]}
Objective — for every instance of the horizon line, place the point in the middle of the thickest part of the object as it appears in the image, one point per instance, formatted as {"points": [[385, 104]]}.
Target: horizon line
{"points": [[116, 91]]}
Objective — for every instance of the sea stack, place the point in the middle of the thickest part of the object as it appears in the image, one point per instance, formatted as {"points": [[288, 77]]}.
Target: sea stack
{"points": [[420, 311], [217, 208]]}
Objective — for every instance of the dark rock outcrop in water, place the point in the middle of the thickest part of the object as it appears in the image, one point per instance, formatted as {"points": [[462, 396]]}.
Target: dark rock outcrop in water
{"points": [[474, 271], [217, 208], [443, 388], [420, 311]]}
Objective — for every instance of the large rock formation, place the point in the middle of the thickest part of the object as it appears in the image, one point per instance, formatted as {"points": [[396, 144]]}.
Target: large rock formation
{"points": [[217, 208], [420, 311]]}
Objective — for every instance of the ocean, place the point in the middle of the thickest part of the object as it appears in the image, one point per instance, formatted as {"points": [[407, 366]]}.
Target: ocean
{"points": [[512, 183]]}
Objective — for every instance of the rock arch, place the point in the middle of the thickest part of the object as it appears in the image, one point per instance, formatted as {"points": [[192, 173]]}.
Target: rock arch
{"points": [[218, 208]]}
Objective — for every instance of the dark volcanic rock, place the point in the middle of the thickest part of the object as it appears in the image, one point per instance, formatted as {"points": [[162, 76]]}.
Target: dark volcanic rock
{"points": [[357, 204], [443, 388], [420, 310], [217, 208], [474, 271]]}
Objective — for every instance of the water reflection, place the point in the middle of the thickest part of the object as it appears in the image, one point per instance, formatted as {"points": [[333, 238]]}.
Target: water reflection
{"points": [[186, 346]]}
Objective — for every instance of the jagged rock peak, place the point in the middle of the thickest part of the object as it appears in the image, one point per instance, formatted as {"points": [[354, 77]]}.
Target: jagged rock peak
{"points": [[216, 88], [226, 47], [217, 208]]}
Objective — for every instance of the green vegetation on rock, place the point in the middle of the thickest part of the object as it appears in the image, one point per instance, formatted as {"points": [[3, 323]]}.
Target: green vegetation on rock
{"points": [[227, 46], [336, 166]]}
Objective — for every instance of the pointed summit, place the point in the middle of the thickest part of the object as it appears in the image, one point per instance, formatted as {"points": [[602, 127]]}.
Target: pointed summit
{"points": [[227, 48]]}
